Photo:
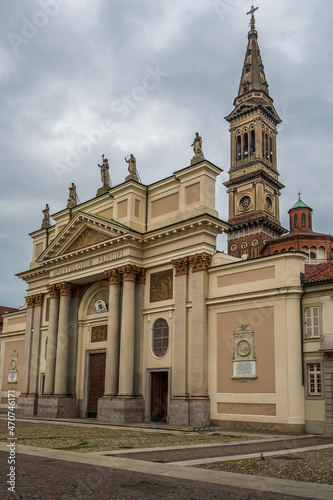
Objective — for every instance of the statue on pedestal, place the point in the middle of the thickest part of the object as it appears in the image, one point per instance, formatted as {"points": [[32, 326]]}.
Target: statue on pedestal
{"points": [[197, 148], [72, 200], [131, 168], [105, 176], [46, 219]]}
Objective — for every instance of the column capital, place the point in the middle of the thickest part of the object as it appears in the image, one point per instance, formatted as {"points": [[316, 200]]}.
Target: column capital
{"points": [[38, 299], [200, 262], [65, 289], [30, 301], [113, 276], [141, 277], [53, 290], [129, 272], [181, 266]]}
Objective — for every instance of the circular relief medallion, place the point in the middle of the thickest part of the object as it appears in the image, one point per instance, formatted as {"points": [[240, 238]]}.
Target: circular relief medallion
{"points": [[269, 203], [233, 248], [255, 243], [245, 202], [243, 348], [244, 244]]}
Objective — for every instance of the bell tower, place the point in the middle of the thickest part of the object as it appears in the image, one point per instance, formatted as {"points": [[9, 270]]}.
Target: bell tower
{"points": [[253, 185]]}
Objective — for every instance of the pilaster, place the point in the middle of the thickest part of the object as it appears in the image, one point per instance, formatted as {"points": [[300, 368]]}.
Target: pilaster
{"points": [[52, 340]]}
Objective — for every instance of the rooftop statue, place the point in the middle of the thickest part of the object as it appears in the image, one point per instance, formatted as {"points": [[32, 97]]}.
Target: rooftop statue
{"points": [[105, 176], [133, 174], [46, 219], [72, 200], [197, 145]]}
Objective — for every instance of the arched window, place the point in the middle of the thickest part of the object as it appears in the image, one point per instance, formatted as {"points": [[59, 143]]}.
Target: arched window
{"points": [[309, 221], [253, 142], [239, 148], [270, 150], [295, 221], [303, 220], [160, 337], [246, 145], [291, 223]]}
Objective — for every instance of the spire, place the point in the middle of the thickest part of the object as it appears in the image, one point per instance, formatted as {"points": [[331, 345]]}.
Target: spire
{"points": [[253, 76]]}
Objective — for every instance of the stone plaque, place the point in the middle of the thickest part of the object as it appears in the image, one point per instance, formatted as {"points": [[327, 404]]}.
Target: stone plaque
{"points": [[99, 333], [161, 285], [244, 368]]}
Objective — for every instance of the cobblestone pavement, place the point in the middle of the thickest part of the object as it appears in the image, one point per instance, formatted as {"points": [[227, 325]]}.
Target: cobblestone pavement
{"points": [[225, 450], [48, 479]]}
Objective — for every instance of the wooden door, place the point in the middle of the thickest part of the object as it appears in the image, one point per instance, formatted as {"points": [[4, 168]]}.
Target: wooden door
{"points": [[159, 396], [96, 381]]}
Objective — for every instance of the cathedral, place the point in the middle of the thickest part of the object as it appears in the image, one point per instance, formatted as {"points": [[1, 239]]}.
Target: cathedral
{"points": [[133, 315]]}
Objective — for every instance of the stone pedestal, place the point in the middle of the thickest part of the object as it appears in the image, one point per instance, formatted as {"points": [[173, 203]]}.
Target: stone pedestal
{"points": [[27, 405], [120, 410], [199, 411], [57, 407]]}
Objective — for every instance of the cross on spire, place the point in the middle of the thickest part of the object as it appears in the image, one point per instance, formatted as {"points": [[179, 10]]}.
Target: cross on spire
{"points": [[299, 195], [253, 20]]}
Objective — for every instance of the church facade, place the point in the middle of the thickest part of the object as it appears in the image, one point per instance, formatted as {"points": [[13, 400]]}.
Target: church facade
{"points": [[132, 315]]}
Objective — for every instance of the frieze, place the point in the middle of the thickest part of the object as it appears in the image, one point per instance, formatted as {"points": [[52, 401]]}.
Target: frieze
{"points": [[94, 261]]}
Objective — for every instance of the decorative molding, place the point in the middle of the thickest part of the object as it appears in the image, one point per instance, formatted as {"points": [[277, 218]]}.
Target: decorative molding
{"points": [[113, 276], [181, 266], [200, 262]]}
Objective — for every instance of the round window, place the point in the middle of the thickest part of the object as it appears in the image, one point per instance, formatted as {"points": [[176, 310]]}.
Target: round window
{"points": [[244, 244], [255, 243], [245, 202], [269, 203], [233, 248]]}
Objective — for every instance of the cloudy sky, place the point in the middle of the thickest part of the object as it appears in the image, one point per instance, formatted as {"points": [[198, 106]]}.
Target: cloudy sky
{"points": [[80, 78]]}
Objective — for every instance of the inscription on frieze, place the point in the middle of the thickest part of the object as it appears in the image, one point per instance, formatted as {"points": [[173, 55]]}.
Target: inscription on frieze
{"points": [[161, 285], [99, 333]]}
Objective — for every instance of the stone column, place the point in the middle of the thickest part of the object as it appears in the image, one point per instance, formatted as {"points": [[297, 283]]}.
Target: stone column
{"points": [[178, 413], [35, 346], [112, 346], [138, 342], [126, 361], [199, 404], [73, 340], [51, 340], [27, 345], [61, 371]]}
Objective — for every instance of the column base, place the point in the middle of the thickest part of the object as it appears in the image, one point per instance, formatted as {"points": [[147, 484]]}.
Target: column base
{"points": [[57, 407], [27, 405], [179, 411], [199, 413], [121, 410]]}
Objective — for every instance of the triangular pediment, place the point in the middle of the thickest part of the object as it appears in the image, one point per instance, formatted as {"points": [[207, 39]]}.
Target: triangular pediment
{"points": [[83, 231], [87, 237]]}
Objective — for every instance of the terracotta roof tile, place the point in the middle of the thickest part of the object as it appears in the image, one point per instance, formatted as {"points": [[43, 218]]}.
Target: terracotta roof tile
{"points": [[318, 273]]}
